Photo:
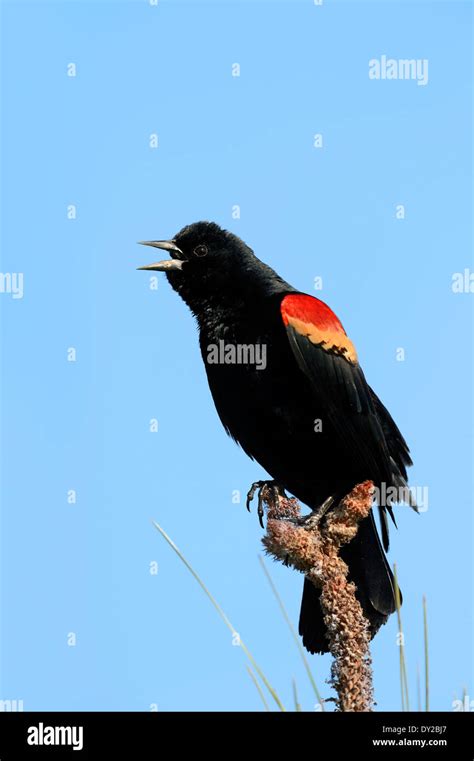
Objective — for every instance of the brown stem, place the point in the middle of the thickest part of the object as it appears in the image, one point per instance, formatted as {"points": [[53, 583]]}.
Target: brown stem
{"points": [[312, 546]]}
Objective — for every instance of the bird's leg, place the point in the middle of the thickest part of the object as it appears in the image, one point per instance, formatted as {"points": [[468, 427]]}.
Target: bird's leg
{"points": [[260, 486], [315, 518], [251, 493]]}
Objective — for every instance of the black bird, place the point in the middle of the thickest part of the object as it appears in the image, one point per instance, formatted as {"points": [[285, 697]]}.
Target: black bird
{"points": [[288, 388]]}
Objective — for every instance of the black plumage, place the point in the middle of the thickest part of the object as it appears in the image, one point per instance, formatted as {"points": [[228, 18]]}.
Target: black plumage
{"points": [[311, 374]]}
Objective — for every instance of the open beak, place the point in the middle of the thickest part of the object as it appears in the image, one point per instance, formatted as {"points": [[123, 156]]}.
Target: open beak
{"points": [[168, 264]]}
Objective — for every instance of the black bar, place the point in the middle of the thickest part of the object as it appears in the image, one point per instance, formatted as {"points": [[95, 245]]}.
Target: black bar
{"points": [[155, 735]]}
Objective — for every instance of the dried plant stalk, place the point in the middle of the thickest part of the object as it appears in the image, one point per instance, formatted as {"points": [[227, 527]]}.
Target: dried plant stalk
{"points": [[312, 545]]}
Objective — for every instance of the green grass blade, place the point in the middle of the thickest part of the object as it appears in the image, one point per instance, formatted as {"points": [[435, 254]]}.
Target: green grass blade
{"points": [[223, 616], [427, 663], [403, 670], [293, 632], [258, 688], [295, 698]]}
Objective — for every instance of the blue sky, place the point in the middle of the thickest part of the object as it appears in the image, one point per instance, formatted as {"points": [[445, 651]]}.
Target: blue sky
{"points": [[309, 212]]}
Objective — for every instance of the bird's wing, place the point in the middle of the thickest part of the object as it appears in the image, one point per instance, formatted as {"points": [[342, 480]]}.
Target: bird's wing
{"points": [[397, 445], [328, 358]]}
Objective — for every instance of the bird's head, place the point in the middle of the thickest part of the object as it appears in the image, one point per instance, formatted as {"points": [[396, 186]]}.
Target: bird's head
{"points": [[207, 263]]}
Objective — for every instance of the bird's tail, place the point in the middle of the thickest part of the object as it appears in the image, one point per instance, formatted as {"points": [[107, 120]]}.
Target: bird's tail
{"points": [[370, 572]]}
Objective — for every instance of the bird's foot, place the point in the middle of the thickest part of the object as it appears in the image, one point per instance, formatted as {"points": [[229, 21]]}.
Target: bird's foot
{"points": [[261, 486], [315, 517]]}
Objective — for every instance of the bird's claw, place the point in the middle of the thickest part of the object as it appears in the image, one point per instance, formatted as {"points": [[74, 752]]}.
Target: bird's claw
{"points": [[251, 493], [316, 516], [260, 486]]}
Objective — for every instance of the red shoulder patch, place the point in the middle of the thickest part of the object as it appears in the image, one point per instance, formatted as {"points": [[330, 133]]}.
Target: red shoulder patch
{"points": [[314, 319]]}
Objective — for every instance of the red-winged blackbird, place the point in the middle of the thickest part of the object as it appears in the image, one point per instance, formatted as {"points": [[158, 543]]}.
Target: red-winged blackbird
{"points": [[288, 388]]}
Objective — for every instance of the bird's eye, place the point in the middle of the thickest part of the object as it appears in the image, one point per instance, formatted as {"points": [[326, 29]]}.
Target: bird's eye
{"points": [[200, 250]]}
